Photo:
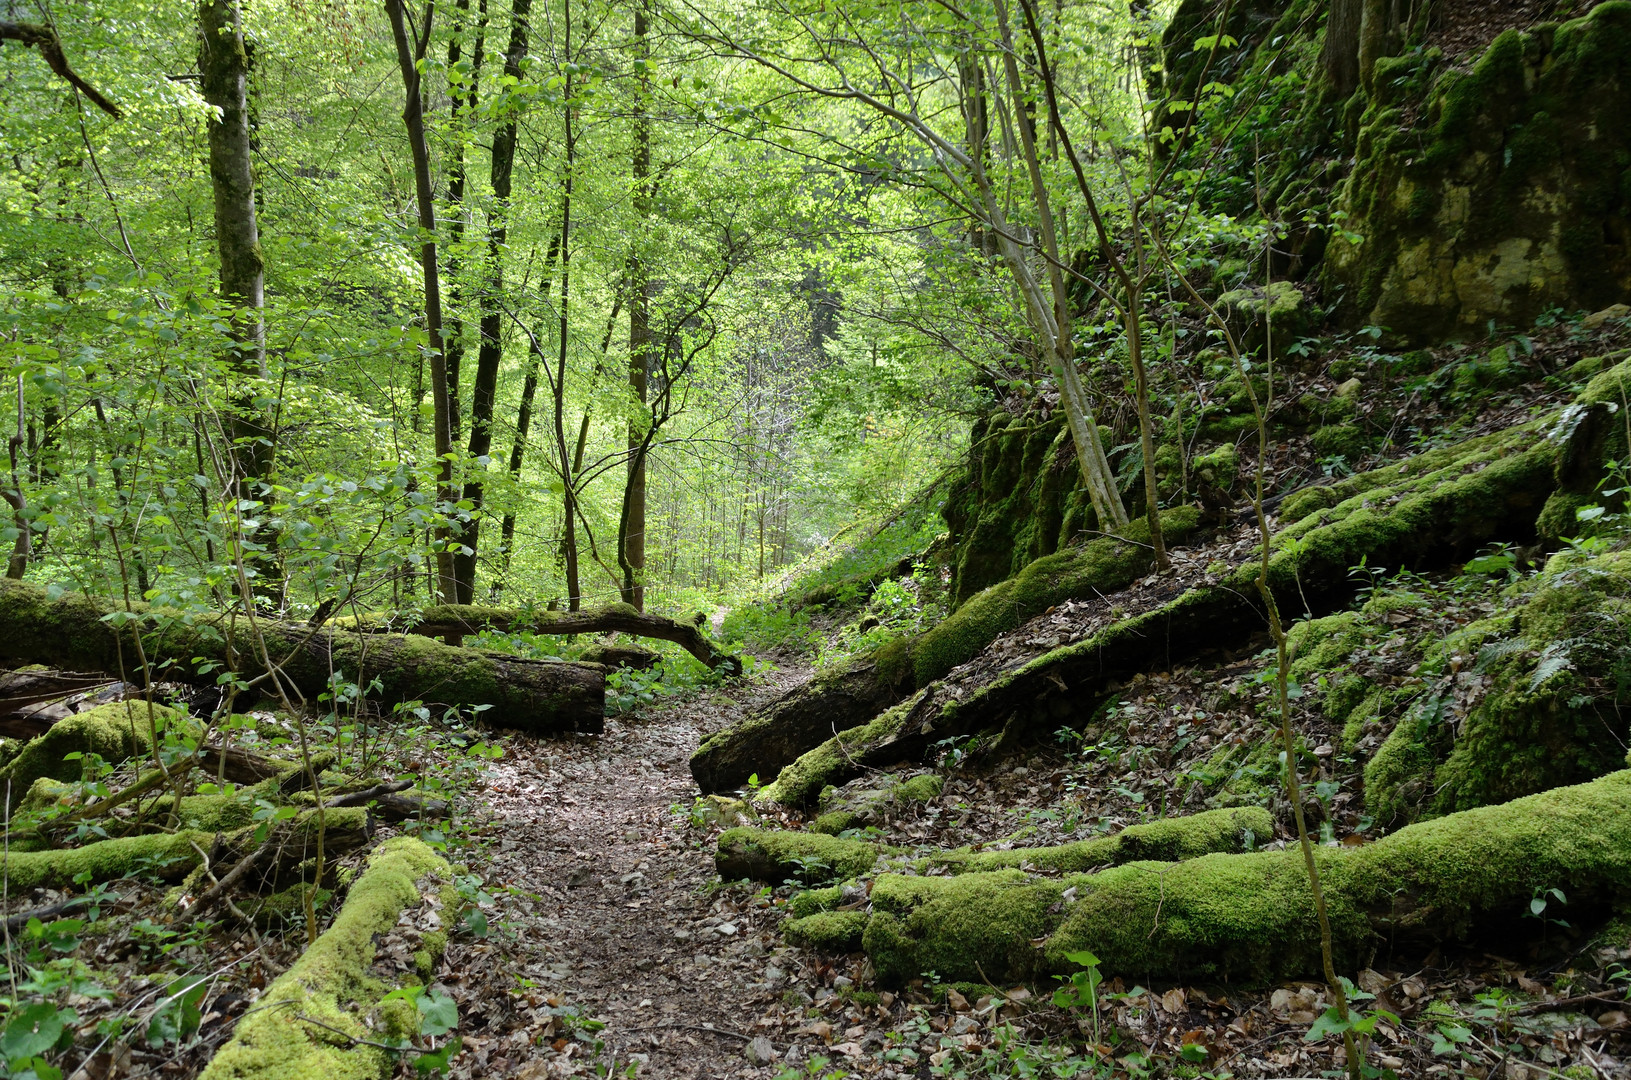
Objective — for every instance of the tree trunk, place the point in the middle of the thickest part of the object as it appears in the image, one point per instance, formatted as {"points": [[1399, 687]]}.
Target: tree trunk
{"points": [[1340, 53], [631, 534], [569, 509], [491, 352], [447, 619], [410, 54], [535, 696], [523, 418], [464, 103], [223, 65], [1375, 31]]}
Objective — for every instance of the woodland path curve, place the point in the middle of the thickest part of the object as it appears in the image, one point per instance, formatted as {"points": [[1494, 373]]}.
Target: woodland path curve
{"points": [[626, 928]]}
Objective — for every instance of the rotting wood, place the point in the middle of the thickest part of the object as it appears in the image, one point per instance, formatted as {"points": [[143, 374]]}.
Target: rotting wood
{"points": [[456, 620], [537, 696]]}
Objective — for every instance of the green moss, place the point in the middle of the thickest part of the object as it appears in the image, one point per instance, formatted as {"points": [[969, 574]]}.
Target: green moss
{"points": [[1219, 467], [925, 787], [1170, 839], [811, 901], [835, 822], [959, 927], [801, 782], [114, 732], [1344, 440], [828, 931], [1250, 917], [1101, 565], [170, 855], [777, 855], [331, 983]]}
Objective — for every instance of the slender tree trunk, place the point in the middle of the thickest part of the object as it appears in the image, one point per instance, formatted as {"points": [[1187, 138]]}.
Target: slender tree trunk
{"points": [[569, 507], [1375, 29], [491, 352], [1340, 53], [223, 65], [410, 53], [631, 533], [1052, 320], [523, 418], [464, 103]]}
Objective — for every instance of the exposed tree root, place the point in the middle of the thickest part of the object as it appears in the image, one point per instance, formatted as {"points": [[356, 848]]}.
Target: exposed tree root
{"points": [[1433, 507], [852, 694]]}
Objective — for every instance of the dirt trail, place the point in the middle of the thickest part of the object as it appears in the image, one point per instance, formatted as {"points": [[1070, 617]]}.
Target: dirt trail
{"points": [[626, 930]]}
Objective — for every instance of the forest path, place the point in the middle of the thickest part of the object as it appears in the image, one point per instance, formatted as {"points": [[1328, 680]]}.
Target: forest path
{"points": [[626, 929]]}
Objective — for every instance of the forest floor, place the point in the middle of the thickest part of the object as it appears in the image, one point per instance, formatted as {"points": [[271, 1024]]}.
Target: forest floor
{"points": [[618, 951]]}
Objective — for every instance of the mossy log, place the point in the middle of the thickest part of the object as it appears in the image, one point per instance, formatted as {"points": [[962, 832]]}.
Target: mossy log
{"points": [[777, 855], [1429, 509], [456, 620], [1250, 917], [852, 694], [531, 695], [311, 1022], [172, 856]]}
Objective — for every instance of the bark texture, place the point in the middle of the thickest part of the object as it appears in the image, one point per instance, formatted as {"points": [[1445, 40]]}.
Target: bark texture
{"points": [[530, 695], [458, 619]]}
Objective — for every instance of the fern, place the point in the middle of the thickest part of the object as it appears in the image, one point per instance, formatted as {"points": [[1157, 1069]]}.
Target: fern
{"points": [[1552, 661], [1498, 650]]}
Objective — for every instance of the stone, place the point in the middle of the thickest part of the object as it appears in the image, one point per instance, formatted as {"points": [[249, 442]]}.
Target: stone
{"points": [[1596, 319], [760, 1051], [1349, 389]]}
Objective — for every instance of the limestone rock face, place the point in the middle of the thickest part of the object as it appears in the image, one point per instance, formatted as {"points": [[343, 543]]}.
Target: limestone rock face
{"points": [[1496, 193]]}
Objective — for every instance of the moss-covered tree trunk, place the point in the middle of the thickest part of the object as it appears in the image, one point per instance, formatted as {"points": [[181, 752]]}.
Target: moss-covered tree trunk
{"points": [[79, 631]]}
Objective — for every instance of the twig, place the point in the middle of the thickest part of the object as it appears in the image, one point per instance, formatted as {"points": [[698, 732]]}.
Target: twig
{"points": [[710, 1029]]}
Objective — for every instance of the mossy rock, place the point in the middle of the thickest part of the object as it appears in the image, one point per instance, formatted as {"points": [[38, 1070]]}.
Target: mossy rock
{"points": [[1550, 708], [1488, 191], [1341, 440]]}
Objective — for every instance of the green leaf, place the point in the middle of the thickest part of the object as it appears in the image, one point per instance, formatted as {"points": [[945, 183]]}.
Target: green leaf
{"points": [[32, 1031], [438, 1014]]}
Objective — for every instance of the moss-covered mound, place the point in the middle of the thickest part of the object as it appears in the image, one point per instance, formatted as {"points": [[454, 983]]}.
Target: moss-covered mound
{"points": [[114, 733], [1532, 698], [331, 983], [1249, 917]]}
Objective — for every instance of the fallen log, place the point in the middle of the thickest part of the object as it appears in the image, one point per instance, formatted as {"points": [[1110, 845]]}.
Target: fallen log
{"points": [[456, 620], [332, 990], [777, 855], [852, 694], [173, 856], [1250, 917], [537, 696], [1432, 508]]}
